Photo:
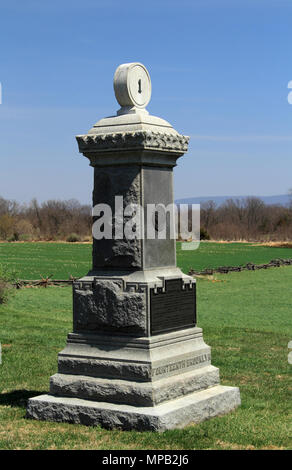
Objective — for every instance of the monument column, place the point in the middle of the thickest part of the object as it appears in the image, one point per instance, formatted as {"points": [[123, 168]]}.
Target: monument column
{"points": [[136, 358]]}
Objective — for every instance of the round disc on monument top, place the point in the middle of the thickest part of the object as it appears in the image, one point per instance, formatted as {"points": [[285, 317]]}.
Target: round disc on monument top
{"points": [[132, 85]]}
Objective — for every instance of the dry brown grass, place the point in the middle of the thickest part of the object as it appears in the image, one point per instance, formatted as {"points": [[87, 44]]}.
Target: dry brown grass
{"points": [[275, 244], [233, 446]]}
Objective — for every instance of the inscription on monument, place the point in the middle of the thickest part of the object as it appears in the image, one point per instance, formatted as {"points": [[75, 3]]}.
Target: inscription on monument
{"points": [[173, 309], [184, 364]]}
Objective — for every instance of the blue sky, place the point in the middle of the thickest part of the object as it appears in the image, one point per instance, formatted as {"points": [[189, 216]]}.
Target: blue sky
{"points": [[219, 69]]}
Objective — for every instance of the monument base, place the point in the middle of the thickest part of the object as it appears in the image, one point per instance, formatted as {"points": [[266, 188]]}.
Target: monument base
{"points": [[193, 408], [148, 383]]}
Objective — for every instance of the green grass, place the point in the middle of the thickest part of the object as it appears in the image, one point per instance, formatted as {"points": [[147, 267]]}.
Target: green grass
{"points": [[33, 260], [246, 319], [213, 255]]}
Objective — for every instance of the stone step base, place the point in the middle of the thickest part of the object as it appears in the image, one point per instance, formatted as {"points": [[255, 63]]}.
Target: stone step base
{"points": [[130, 358], [132, 392], [193, 408]]}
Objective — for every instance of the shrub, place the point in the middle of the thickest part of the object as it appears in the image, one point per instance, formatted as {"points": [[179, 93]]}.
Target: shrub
{"points": [[13, 238], [6, 279], [204, 234], [73, 237], [6, 226]]}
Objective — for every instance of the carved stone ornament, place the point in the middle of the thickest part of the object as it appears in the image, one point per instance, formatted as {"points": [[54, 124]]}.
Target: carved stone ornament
{"points": [[133, 140]]}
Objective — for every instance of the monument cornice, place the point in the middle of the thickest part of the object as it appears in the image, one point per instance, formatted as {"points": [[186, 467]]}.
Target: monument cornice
{"points": [[140, 140]]}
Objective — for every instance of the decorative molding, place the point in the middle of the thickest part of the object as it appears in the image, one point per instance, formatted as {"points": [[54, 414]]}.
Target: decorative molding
{"points": [[133, 140]]}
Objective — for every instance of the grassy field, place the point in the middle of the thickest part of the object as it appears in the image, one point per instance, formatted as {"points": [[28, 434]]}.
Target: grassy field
{"points": [[33, 260], [246, 319], [213, 255]]}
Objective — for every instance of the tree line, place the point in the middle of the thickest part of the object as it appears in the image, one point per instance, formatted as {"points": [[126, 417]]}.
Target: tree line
{"points": [[246, 219], [236, 219], [50, 220]]}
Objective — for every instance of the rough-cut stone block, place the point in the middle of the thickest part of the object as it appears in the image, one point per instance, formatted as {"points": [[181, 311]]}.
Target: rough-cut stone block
{"points": [[116, 252], [107, 306], [103, 368], [178, 413], [131, 392]]}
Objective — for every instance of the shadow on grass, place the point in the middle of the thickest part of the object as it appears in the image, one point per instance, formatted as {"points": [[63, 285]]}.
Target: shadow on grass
{"points": [[18, 398]]}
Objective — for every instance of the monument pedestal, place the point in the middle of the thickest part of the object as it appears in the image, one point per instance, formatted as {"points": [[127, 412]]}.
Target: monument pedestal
{"points": [[192, 408], [150, 384], [153, 382], [136, 358]]}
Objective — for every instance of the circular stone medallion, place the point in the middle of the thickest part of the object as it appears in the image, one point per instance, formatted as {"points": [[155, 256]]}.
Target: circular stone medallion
{"points": [[132, 85]]}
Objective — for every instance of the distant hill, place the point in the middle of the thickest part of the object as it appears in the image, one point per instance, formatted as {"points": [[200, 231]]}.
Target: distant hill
{"points": [[282, 199]]}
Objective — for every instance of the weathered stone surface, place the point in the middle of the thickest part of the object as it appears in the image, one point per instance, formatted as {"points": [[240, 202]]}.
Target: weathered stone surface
{"points": [[178, 413], [104, 368], [108, 306], [133, 140], [132, 392], [142, 359], [110, 182]]}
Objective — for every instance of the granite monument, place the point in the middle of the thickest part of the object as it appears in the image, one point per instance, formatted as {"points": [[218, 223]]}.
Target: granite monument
{"points": [[136, 358]]}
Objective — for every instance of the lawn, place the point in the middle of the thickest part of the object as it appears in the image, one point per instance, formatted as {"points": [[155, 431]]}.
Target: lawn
{"points": [[33, 260], [36, 260], [213, 255], [246, 319]]}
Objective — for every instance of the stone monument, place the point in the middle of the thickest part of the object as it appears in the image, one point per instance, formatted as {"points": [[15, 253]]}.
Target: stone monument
{"points": [[136, 358]]}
